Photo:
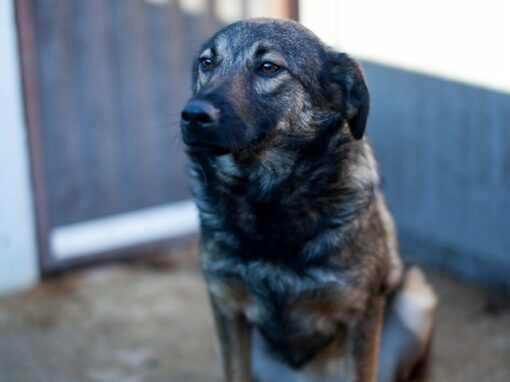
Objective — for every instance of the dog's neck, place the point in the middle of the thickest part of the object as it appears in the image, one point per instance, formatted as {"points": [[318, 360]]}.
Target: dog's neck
{"points": [[341, 164], [299, 195]]}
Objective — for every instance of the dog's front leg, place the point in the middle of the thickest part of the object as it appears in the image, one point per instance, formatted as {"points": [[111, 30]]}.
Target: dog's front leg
{"points": [[364, 342], [234, 334]]}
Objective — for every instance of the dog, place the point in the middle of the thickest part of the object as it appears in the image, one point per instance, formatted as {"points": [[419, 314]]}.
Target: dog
{"points": [[298, 249]]}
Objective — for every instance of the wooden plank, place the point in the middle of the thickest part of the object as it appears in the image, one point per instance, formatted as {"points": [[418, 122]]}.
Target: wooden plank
{"points": [[170, 84], [56, 72], [95, 126], [132, 108], [285, 9]]}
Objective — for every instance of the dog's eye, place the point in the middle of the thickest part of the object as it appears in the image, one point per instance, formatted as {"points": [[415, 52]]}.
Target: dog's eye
{"points": [[206, 63], [268, 68]]}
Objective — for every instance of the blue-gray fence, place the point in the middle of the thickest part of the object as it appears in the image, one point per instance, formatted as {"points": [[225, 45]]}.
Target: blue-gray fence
{"points": [[444, 148]]}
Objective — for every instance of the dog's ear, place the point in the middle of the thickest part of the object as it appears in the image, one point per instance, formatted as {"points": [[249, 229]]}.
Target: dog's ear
{"points": [[345, 88]]}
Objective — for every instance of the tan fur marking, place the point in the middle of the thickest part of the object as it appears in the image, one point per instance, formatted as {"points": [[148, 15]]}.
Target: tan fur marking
{"points": [[395, 264], [235, 299]]}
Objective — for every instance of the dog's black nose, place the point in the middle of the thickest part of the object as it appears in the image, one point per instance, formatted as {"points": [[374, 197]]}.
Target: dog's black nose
{"points": [[199, 114]]}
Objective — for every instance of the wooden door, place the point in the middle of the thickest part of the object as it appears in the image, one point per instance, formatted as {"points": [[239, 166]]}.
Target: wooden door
{"points": [[104, 83]]}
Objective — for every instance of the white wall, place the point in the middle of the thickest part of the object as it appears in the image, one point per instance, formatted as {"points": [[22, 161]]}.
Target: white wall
{"points": [[464, 40], [18, 254]]}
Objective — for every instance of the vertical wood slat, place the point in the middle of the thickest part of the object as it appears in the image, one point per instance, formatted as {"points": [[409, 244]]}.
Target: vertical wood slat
{"points": [[132, 107], [286, 9], [95, 125], [56, 63], [170, 80]]}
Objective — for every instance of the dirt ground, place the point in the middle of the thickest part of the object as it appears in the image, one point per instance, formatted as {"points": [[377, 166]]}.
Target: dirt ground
{"points": [[149, 321]]}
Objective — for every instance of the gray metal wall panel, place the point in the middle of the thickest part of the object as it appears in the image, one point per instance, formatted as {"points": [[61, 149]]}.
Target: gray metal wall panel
{"points": [[444, 148]]}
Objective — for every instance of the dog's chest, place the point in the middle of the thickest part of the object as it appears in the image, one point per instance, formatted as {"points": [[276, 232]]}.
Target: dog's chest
{"points": [[299, 314]]}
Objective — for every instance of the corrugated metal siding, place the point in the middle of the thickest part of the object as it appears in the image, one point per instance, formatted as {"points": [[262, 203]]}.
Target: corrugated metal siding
{"points": [[113, 76], [444, 148]]}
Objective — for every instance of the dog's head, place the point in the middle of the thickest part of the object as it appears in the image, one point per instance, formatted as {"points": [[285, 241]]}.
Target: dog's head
{"points": [[259, 80]]}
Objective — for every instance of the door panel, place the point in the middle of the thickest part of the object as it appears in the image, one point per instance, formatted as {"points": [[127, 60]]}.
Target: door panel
{"points": [[104, 84]]}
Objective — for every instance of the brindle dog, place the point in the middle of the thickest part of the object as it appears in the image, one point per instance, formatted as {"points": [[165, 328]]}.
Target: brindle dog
{"points": [[298, 249]]}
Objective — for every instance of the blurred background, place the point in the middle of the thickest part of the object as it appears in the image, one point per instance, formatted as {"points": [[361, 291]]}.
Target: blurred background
{"points": [[98, 254]]}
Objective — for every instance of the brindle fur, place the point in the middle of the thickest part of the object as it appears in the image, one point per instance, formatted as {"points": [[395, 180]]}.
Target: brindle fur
{"points": [[296, 240]]}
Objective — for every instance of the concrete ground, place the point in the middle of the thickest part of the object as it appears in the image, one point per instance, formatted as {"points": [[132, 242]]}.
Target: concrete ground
{"points": [[149, 321]]}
